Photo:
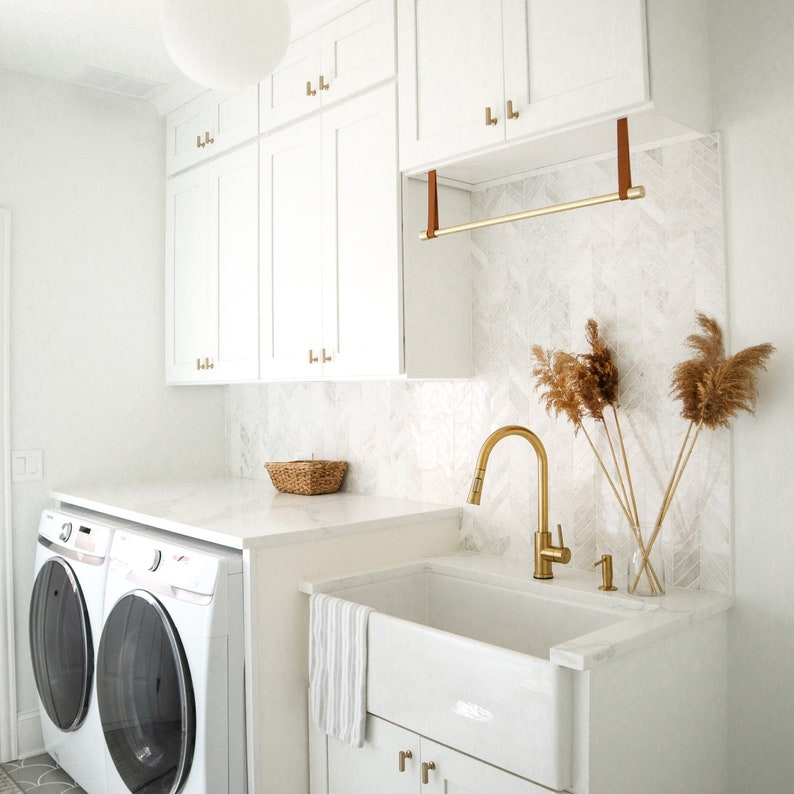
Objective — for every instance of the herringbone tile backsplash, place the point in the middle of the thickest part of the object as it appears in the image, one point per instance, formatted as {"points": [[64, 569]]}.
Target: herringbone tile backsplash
{"points": [[641, 269]]}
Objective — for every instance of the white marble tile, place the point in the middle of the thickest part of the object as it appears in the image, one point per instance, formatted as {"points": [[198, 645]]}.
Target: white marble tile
{"points": [[642, 269]]}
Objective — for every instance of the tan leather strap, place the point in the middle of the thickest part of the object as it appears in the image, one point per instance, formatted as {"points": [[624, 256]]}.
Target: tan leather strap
{"points": [[624, 160], [432, 205]]}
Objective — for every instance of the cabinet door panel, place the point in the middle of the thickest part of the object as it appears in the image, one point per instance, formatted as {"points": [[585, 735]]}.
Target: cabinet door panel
{"points": [[375, 767], [234, 310], [187, 277], [451, 57], [291, 251], [282, 95], [572, 60], [361, 268], [456, 773], [358, 49]]}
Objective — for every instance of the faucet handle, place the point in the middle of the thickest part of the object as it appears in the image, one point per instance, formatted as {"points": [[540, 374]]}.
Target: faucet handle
{"points": [[606, 572], [564, 553]]}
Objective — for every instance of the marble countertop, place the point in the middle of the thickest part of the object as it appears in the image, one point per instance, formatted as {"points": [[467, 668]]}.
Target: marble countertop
{"points": [[239, 513], [647, 619]]}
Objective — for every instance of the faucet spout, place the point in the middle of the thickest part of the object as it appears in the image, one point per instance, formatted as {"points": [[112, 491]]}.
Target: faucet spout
{"points": [[545, 552]]}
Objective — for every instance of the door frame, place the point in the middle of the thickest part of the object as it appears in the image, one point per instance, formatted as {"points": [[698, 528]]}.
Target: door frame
{"points": [[8, 693]]}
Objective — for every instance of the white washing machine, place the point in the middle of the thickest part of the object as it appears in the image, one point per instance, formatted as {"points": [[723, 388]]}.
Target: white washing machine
{"points": [[170, 669], [65, 622]]}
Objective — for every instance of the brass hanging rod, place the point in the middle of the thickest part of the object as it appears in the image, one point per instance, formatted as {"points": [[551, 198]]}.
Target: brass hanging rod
{"points": [[625, 192]]}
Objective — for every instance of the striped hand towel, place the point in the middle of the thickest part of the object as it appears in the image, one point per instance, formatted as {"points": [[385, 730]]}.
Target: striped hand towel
{"points": [[338, 667]]}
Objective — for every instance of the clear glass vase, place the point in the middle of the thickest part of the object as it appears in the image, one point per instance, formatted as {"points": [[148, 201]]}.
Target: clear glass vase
{"points": [[645, 573]]}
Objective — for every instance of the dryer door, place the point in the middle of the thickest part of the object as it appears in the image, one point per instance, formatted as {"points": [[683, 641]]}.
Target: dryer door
{"points": [[60, 644], [145, 695]]}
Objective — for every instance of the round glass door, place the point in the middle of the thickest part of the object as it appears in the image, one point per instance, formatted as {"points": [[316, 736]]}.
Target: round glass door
{"points": [[145, 696], [60, 644]]}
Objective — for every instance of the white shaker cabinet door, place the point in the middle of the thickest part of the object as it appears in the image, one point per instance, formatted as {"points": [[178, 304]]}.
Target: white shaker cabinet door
{"points": [[450, 54], [378, 765], [187, 276], [572, 61], [212, 271], [291, 252], [234, 265], [451, 772], [362, 284]]}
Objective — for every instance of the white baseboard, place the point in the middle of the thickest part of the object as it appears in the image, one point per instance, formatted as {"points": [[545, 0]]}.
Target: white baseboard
{"points": [[29, 737]]}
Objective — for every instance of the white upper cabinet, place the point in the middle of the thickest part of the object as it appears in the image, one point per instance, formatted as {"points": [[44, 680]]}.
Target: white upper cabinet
{"points": [[348, 55], [212, 271], [521, 84], [331, 281], [208, 125]]}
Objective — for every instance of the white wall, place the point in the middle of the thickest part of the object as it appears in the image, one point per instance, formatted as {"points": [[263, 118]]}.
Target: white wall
{"points": [[753, 79], [82, 173]]}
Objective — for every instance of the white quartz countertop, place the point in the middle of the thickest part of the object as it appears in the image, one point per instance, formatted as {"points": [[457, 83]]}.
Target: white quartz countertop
{"points": [[239, 513]]}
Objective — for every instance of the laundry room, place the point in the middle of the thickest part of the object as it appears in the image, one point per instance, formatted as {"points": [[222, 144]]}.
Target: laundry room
{"points": [[102, 432]]}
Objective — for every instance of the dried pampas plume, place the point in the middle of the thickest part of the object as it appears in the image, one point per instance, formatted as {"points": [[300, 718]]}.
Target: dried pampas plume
{"points": [[713, 389]]}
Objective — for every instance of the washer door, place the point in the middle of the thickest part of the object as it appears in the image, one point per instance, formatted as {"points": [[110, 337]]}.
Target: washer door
{"points": [[60, 644], [145, 696]]}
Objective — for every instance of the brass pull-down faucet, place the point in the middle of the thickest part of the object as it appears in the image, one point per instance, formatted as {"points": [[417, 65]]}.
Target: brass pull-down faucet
{"points": [[545, 552]]}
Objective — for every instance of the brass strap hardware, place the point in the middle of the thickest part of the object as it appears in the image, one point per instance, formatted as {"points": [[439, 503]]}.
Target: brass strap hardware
{"points": [[312, 358], [606, 572], [511, 114], [625, 191], [323, 85], [309, 90], [326, 358], [207, 138], [199, 143], [198, 363], [403, 755], [426, 767], [490, 120], [205, 365]]}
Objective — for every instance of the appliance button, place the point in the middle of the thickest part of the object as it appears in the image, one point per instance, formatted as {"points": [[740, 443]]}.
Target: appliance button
{"points": [[66, 531], [156, 557]]}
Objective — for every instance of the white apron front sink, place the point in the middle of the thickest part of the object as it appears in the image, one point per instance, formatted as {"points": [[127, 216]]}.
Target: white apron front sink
{"points": [[467, 663]]}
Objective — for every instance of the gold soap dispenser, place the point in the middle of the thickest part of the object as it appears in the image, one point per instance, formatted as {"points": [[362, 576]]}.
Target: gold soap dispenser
{"points": [[606, 572]]}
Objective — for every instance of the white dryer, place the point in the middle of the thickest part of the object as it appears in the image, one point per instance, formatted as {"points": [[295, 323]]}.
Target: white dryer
{"points": [[65, 621], [170, 669]]}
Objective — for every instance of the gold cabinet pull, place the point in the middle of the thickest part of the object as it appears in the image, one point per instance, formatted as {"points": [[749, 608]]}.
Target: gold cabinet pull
{"points": [[312, 358], [205, 365], [198, 364], [427, 766], [326, 358], [199, 143], [511, 114], [207, 138], [403, 755], [309, 90], [323, 85], [490, 120]]}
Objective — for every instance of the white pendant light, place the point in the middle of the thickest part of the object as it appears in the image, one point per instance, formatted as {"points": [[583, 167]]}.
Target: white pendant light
{"points": [[230, 44]]}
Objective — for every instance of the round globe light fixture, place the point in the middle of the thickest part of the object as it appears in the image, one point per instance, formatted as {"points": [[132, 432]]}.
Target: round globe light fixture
{"points": [[229, 44]]}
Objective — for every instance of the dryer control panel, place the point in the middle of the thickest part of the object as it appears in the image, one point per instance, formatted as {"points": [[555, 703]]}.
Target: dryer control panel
{"points": [[72, 532]]}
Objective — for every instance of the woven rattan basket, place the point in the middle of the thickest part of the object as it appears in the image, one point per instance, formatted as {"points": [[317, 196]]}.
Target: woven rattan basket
{"points": [[308, 477]]}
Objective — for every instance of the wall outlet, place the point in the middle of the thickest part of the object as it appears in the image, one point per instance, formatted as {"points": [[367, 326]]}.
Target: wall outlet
{"points": [[26, 464]]}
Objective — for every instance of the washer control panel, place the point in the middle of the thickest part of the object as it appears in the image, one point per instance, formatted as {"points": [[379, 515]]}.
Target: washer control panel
{"points": [[75, 533]]}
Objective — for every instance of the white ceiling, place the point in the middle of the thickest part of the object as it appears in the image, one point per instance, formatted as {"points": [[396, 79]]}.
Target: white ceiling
{"points": [[61, 39]]}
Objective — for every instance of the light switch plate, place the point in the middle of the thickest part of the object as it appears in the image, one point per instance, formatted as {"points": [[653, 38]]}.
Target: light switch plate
{"points": [[26, 464]]}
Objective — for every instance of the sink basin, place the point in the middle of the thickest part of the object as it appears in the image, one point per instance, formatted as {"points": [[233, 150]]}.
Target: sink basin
{"points": [[465, 661]]}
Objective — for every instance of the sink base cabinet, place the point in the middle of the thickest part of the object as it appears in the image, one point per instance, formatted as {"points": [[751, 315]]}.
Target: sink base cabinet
{"points": [[394, 760]]}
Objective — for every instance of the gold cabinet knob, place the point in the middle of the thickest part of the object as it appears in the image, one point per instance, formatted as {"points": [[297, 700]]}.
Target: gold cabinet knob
{"points": [[401, 762], [490, 120], [312, 358], [427, 766], [309, 90], [511, 114], [326, 358], [207, 139], [199, 143], [323, 85]]}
